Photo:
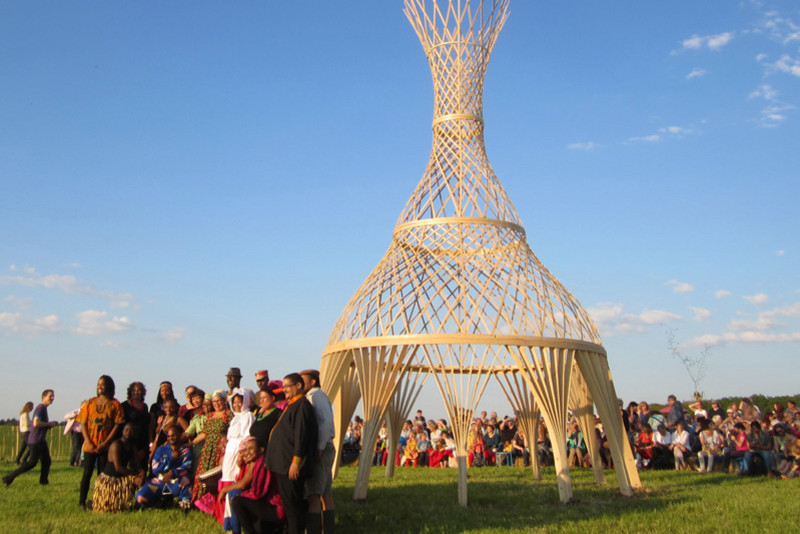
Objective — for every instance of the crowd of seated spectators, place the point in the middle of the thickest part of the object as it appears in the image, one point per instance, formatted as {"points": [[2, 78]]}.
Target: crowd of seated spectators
{"points": [[703, 438], [737, 439]]}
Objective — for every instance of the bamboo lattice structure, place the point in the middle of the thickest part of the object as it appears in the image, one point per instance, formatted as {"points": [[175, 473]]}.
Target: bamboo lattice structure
{"points": [[459, 293]]}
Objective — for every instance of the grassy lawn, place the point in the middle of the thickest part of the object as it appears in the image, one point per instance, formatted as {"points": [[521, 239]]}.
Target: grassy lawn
{"points": [[425, 500]]}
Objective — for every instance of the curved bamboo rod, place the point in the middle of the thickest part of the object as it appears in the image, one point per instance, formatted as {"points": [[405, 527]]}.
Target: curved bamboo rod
{"points": [[580, 399], [461, 393], [550, 388], [398, 410], [379, 371], [523, 403], [597, 374], [345, 401]]}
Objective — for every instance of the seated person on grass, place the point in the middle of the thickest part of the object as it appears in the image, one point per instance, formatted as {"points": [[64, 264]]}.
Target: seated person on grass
{"points": [[115, 486], [171, 465]]}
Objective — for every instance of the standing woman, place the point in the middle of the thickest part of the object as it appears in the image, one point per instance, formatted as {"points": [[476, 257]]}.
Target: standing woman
{"points": [[168, 419], [213, 438], [100, 419], [135, 410], [266, 416], [24, 432], [165, 393]]}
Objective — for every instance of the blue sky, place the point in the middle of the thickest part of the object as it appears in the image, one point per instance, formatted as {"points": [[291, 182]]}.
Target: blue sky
{"points": [[188, 186]]}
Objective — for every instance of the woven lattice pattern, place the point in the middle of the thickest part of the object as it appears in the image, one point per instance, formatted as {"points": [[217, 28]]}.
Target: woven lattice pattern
{"points": [[459, 294], [462, 278], [458, 182], [459, 262]]}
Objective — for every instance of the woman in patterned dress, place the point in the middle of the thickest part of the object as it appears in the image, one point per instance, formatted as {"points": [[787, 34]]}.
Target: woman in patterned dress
{"points": [[215, 432]]}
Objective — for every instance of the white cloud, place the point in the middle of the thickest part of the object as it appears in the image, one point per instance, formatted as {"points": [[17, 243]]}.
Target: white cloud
{"points": [[774, 110], [745, 337], [700, 314], [697, 72], [609, 318], [694, 42], [761, 324], [674, 130], [764, 91], [67, 284], [712, 42], [680, 287], [17, 324], [758, 299], [722, 294], [605, 312], [22, 303], [764, 328], [789, 65], [716, 42], [638, 323], [175, 334], [647, 138], [657, 316], [782, 29], [122, 300], [781, 252], [761, 57], [582, 146], [10, 321], [95, 323]]}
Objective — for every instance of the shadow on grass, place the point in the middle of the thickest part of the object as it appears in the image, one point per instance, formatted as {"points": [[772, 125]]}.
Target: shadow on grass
{"points": [[500, 500]]}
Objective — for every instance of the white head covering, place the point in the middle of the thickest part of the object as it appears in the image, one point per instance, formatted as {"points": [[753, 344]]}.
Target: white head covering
{"points": [[248, 398]]}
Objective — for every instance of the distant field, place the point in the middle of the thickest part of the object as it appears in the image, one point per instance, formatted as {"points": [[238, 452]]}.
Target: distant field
{"points": [[60, 445], [502, 500]]}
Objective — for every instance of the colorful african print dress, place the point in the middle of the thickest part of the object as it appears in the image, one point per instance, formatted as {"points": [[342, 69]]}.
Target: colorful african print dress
{"points": [[215, 429]]}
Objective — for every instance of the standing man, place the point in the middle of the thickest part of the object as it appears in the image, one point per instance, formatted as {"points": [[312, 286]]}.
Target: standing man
{"points": [[37, 442], [101, 419], [233, 379], [318, 489], [676, 412], [290, 451], [262, 380]]}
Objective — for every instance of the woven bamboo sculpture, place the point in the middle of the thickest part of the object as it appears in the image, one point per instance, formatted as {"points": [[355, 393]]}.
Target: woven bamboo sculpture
{"points": [[459, 295]]}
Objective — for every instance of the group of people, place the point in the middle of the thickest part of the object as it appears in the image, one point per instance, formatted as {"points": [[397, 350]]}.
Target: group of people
{"points": [[430, 443], [739, 438], [260, 461]]}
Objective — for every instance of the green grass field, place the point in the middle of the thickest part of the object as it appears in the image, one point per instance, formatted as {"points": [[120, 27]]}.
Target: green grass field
{"points": [[425, 500]]}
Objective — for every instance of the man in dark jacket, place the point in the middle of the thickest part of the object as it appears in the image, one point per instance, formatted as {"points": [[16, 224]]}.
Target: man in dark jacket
{"points": [[290, 453]]}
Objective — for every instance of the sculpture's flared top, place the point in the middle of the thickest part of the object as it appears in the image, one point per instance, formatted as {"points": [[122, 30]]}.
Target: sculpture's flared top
{"points": [[459, 181], [459, 268]]}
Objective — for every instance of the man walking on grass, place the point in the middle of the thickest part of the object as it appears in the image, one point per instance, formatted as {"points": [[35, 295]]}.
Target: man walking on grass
{"points": [[37, 441]]}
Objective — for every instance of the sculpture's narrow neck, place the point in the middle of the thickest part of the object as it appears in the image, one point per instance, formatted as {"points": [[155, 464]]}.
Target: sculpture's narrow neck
{"points": [[458, 70]]}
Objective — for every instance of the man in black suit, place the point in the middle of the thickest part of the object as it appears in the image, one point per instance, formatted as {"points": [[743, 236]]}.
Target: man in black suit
{"points": [[290, 452]]}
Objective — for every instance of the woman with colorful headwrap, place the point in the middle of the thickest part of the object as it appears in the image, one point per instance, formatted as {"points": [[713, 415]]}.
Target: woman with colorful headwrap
{"points": [[213, 437]]}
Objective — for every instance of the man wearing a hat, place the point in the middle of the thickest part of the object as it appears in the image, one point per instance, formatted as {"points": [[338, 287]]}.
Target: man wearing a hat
{"points": [[262, 379], [234, 378]]}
